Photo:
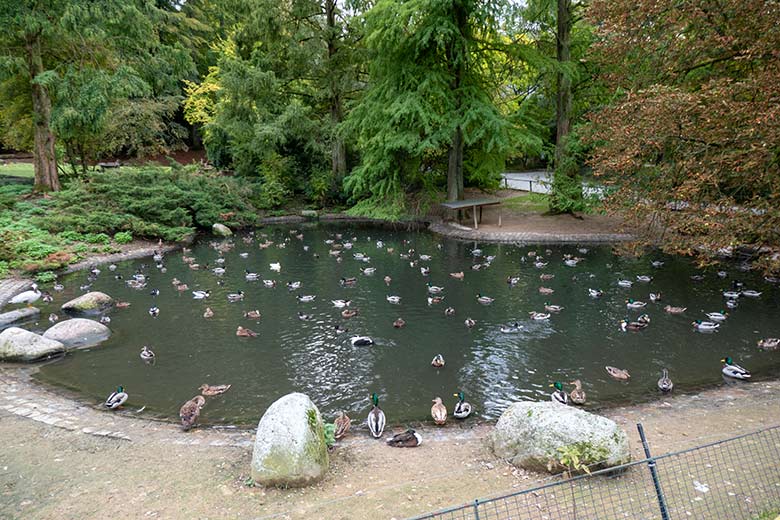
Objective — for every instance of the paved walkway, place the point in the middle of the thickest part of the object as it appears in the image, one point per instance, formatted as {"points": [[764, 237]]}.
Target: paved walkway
{"points": [[525, 237]]}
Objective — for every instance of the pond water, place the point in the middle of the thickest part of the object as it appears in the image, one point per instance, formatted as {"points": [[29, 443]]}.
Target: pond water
{"points": [[492, 368]]}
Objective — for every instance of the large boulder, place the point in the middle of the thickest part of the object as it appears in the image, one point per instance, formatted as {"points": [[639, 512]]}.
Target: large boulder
{"points": [[78, 333], [540, 436], [221, 230], [91, 303], [290, 447], [20, 345], [24, 314]]}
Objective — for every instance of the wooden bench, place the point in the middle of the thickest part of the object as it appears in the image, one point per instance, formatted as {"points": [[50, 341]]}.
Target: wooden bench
{"points": [[458, 205]]}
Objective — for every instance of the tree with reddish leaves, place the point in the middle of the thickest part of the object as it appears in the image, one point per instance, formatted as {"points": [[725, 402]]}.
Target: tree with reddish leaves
{"points": [[691, 142]]}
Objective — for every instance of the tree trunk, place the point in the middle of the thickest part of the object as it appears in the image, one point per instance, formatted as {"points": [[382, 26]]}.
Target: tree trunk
{"points": [[457, 55], [455, 167], [44, 158], [338, 148], [563, 105]]}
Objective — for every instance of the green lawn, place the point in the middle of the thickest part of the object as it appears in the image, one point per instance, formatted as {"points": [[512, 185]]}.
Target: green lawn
{"points": [[530, 203], [17, 169]]}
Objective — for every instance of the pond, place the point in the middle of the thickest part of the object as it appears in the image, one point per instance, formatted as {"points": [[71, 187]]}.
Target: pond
{"points": [[492, 368]]}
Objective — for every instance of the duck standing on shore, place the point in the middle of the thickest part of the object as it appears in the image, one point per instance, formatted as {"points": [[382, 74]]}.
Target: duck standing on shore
{"points": [[376, 418], [439, 412], [462, 408], [190, 411], [116, 399]]}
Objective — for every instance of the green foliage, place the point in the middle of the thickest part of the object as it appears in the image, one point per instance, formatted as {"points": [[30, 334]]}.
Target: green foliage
{"points": [[578, 457], [123, 237], [97, 238], [330, 434], [3, 268], [45, 277]]}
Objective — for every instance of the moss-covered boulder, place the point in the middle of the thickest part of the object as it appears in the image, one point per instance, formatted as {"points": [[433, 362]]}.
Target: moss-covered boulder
{"points": [[549, 436], [21, 345], [91, 303], [221, 230], [78, 333], [290, 449]]}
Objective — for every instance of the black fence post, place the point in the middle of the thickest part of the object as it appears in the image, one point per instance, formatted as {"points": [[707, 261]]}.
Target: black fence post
{"points": [[476, 509], [654, 473]]}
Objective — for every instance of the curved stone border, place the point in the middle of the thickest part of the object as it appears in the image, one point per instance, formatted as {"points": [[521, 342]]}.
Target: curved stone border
{"points": [[525, 237]]}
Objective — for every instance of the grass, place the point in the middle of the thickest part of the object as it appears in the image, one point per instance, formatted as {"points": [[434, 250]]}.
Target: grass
{"points": [[769, 515], [17, 169], [528, 203]]}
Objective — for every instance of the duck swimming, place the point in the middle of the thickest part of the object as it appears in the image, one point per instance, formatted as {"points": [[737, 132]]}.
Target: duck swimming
{"points": [[626, 325], [449, 311], [730, 369], [211, 390], [485, 300], [154, 312], [147, 354], [631, 304], [235, 297], [341, 303], [470, 323], [458, 276], [376, 418], [393, 299], [664, 383], [243, 332], [511, 329], [552, 308], [618, 373], [208, 313], [434, 289], [675, 310], [717, 316], [769, 343], [201, 295], [595, 293], [438, 361], [361, 341], [625, 283], [705, 326], [399, 323], [559, 395], [539, 316], [349, 313], [252, 315]]}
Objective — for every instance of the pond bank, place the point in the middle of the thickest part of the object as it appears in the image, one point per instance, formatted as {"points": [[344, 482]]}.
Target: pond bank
{"points": [[73, 460]]}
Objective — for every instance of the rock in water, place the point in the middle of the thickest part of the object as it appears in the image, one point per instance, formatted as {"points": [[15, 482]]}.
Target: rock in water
{"points": [[25, 314], [529, 435], [78, 333], [290, 447], [20, 345], [221, 230], [91, 303]]}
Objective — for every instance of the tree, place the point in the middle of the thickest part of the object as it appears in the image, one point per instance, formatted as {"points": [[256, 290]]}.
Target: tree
{"points": [[691, 140]]}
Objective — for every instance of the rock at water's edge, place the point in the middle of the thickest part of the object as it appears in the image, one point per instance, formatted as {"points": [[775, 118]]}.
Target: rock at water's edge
{"points": [[92, 302], [78, 333], [290, 447], [221, 230], [21, 345], [26, 313]]}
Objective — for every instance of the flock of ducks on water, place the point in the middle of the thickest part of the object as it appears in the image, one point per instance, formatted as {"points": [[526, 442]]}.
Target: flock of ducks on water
{"points": [[376, 419]]}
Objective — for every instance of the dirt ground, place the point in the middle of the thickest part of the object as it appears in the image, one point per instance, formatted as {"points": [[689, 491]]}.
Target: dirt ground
{"points": [[153, 470]]}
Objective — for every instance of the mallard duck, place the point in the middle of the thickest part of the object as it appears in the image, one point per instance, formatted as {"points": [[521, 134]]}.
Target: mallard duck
{"points": [[730, 369], [361, 341], [539, 316], [438, 361], [540, 264], [432, 300], [732, 295], [208, 313], [105, 320], [717, 316], [368, 271], [341, 303], [705, 326], [449, 311], [387, 280], [511, 329], [147, 354], [235, 297], [376, 418], [393, 299], [434, 289], [559, 395], [439, 412], [399, 323], [190, 411], [632, 325], [211, 390], [341, 425], [578, 394], [470, 323], [731, 303], [657, 263], [665, 384], [751, 293], [485, 300], [58, 287], [625, 283], [644, 278], [458, 276], [618, 373], [595, 293], [276, 266], [294, 285], [349, 313], [304, 317], [644, 318], [462, 408], [269, 283], [512, 280], [305, 298], [552, 308], [769, 343], [27, 297], [219, 271], [425, 271], [407, 439], [154, 312], [252, 315], [116, 399], [53, 318], [251, 277], [245, 333], [675, 310], [655, 297], [338, 329], [46, 297], [546, 290], [201, 295], [631, 304], [546, 276]]}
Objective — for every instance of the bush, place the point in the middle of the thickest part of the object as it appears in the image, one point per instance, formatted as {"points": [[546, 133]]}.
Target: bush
{"points": [[123, 237], [97, 238], [45, 277]]}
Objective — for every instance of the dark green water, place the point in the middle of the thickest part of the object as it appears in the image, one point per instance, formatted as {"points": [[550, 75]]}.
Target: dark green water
{"points": [[492, 368]]}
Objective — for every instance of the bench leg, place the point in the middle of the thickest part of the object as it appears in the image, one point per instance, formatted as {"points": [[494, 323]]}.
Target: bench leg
{"points": [[474, 210], [499, 217]]}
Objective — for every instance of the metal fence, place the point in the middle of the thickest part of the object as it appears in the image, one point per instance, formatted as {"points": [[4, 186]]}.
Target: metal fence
{"points": [[736, 478]]}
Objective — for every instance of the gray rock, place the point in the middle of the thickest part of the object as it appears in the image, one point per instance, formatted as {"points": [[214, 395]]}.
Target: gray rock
{"points": [[532, 435], [290, 447], [310, 213], [221, 230], [20, 345], [78, 333], [91, 303], [27, 313]]}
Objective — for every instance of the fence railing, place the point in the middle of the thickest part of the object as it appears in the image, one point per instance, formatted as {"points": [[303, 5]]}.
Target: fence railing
{"points": [[736, 478]]}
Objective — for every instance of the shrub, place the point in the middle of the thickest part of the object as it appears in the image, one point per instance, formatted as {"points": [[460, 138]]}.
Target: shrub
{"points": [[97, 238], [45, 277], [123, 237]]}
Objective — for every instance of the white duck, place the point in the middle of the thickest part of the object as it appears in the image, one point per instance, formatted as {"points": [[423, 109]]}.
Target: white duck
{"points": [[27, 297]]}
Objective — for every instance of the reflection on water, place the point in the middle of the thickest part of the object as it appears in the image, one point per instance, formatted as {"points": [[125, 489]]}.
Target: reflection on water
{"points": [[492, 368]]}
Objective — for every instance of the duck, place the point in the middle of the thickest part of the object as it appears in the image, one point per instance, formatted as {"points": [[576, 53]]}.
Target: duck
{"points": [[769, 343], [546, 276], [201, 295], [470, 323], [349, 313], [449, 311], [595, 293], [303, 316], [438, 412], [105, 320], [539, 316], [387, 280], [250, 277], [705, 326], [276, 266], [347, 281], [730, 369], [644, 318], [751, 293], [53, 318], [512, 280], [657, 263], [190, 411], [27, 297], [458, 276], [341, 303], [235, 297], [540, 264], [368, 271], [243, 332], [552, 308], [58, 287], [219, 271], [618, 373], [675, 310], [731, 303], [644, 278], [116, 399], [341, 425], [393, 299], [559, 395], [269, 283], [546, 290], [211, 390], [697, 277], [182, 287], [361, 341], [46, 297], [631, 304], [511, 329], [625, 283], [632, 325], [154, 312], [252, 315], [294, 285], [376, 418], [664, 383], [462, 408], [425, 271], [717, 316], [655, 297], [435, 299], [578, 394], [485, 300], [399, 323], [208, 313], [434, 289], [732, 295], [407, 439], [571, 262], [305, 298], [438, 361], [338, 329], [147, 354]]}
